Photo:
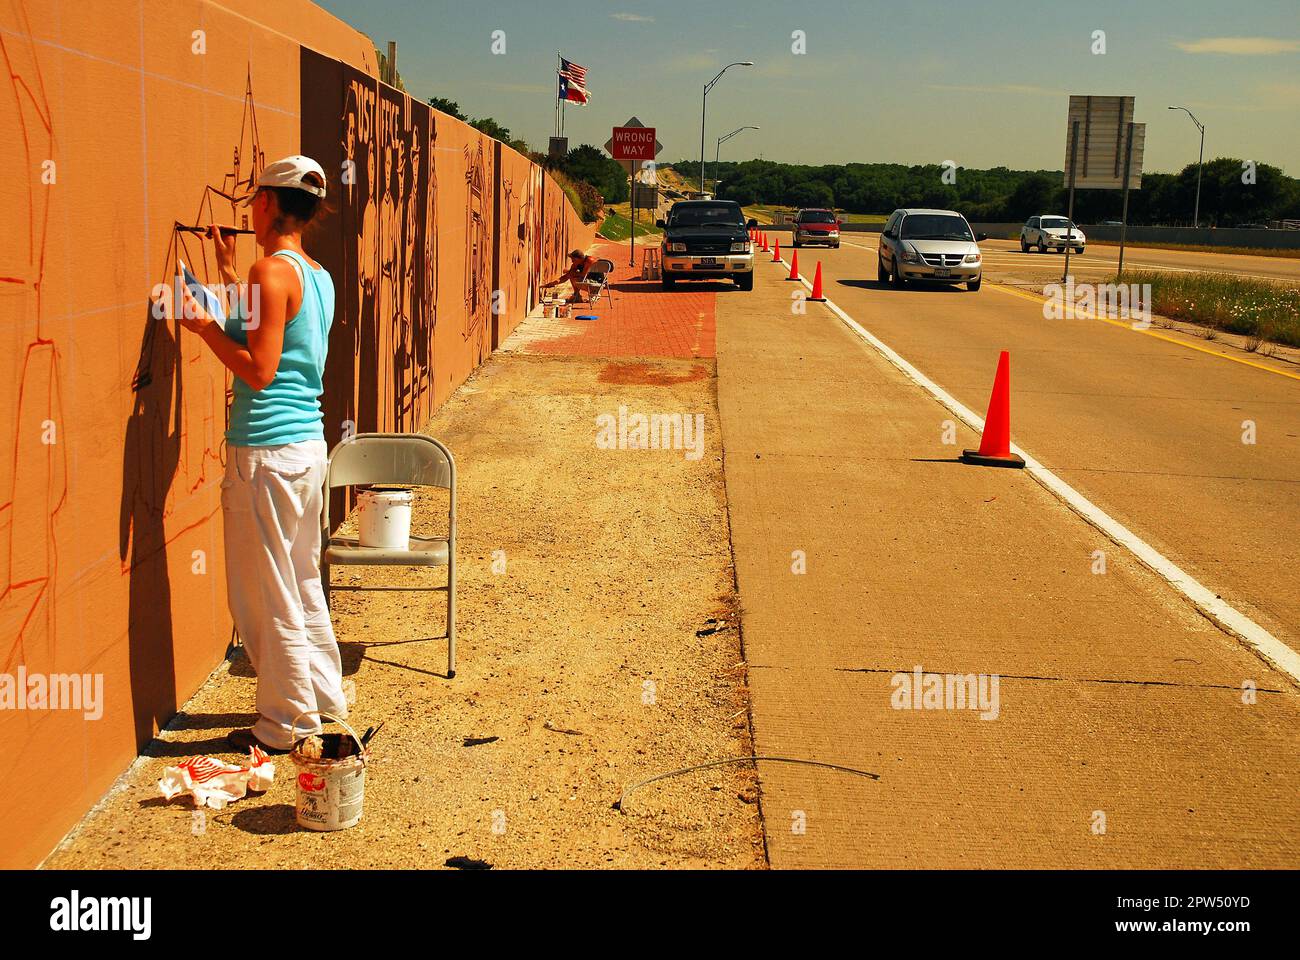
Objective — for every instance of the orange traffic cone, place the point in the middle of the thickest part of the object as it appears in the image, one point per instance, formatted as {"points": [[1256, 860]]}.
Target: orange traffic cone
{"points": [[995, 444], [766, 248], [817, 284], [776, 251], [794, 266]]}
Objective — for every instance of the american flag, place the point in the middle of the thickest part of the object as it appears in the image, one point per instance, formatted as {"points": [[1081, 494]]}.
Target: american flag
{"points": [[573, 82]]}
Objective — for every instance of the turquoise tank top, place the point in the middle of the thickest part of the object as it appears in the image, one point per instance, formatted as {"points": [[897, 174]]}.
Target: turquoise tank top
{"points": [[288, 409]]}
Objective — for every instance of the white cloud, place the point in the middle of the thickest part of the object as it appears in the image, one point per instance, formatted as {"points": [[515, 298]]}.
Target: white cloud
{"points": [[632, 18], [1241, 46]]}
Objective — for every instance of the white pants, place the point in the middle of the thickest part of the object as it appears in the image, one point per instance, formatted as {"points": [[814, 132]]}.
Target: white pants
{"points": [[271, 500]]}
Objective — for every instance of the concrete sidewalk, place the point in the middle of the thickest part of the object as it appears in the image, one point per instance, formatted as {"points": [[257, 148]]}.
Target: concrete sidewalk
{"points": [[1121, 737]]}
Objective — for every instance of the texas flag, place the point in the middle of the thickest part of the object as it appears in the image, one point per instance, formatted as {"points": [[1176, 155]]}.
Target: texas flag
{"points": [[573, 82]]}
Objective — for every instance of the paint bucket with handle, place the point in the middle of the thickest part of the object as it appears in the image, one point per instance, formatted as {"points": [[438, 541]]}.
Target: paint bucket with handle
{"points": [[331, 776], [384, 518]]}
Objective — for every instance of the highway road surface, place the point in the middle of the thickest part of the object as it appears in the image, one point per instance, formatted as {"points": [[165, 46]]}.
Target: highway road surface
{"points": [[1098, 261], [1150, 430], [1131, 730]]}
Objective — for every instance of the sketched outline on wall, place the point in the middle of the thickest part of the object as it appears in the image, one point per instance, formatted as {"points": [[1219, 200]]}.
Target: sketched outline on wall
{"points": [[30, 575]]}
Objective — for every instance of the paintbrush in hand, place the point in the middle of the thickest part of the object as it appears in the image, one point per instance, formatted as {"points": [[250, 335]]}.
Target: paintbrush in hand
{"points": [[225, 231]]}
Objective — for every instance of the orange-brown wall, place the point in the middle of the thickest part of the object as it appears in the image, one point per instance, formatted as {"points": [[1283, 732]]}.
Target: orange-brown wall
{"points": [[118, 121]]}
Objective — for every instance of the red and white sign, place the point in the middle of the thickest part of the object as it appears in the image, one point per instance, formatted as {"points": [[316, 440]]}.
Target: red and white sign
{"points": [[633, 143]]}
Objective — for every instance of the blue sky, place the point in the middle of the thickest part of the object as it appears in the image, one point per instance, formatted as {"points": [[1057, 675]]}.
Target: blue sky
{"points": [[980, 83]]}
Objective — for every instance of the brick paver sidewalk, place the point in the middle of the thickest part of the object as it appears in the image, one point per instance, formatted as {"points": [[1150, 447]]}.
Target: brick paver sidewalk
{"points": [[640, 319]]}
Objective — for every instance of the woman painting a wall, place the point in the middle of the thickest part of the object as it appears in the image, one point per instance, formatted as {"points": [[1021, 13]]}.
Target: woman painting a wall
{"points": [[275, 344]]}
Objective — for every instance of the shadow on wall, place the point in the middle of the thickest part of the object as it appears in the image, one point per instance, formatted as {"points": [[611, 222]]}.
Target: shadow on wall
{"points": [[150, 454]]}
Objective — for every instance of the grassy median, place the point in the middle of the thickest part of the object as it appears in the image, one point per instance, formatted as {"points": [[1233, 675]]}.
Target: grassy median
{"points": [[1261, 311], [617, 226]]}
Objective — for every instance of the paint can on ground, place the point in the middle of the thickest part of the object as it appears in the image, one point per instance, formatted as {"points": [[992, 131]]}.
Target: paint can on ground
{"points": [[331, 790], [384, 518]]}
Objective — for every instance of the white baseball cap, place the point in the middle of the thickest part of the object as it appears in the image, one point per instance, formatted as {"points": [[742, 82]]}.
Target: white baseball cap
{"points": [[300, 173]]}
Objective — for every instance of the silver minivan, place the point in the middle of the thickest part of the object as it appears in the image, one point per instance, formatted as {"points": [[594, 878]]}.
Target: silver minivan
{"points": [[920, 244]]}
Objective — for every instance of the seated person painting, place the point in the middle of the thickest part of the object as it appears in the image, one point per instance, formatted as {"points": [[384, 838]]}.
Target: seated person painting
{"points": [[580, 272]]}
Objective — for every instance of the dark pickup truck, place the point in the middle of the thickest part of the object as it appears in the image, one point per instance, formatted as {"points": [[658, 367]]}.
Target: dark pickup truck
{"points": [[707, 240]]}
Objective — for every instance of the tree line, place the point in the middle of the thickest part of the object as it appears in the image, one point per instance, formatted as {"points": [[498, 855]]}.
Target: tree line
{"points": [[1232, 191]]}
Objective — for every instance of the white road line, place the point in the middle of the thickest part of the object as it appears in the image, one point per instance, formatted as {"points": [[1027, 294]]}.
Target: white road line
{"points": [[1222, 614]]}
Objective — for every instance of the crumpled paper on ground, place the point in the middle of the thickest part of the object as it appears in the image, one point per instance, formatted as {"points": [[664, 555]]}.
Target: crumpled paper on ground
{"points": [[213, 783]]}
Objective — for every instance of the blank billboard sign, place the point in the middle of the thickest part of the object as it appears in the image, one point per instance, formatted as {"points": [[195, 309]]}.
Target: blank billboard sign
{"points": [[646, 195], [1103, 132]]}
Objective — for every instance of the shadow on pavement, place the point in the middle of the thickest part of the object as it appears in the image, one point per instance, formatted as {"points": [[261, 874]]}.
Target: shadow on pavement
{"points": [[277, 819], [189, 748], [211, 721], [911, 285], [654, 286]]}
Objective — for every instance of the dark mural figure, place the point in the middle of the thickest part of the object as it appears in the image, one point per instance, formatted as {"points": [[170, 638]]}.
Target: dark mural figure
{"points": [[403, 318], [479, 251], [379, 245], [429, 264], [360, 220]]}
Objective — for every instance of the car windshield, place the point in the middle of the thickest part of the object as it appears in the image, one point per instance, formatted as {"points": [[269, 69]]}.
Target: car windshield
{"points": [[935, 226], [704, 214], [1056, 223], [817, 216]]}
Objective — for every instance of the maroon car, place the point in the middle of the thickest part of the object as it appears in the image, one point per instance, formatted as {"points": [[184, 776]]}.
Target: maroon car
{"points": [[816, 226]]}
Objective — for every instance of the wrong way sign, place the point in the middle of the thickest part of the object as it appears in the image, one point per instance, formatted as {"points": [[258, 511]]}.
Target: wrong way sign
{"points": [[633, 142]]}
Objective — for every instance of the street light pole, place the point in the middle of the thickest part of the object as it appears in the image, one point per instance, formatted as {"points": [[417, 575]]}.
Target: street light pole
{"points": [[718, 150], [704, 106], [1200, 162]]}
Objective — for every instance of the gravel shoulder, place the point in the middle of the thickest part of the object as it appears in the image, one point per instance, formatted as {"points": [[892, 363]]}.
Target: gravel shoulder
{"points": [[607, 651]]}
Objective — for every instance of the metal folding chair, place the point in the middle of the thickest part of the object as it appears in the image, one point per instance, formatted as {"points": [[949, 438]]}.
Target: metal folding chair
{"points": [[596, 281], [410, 459]]}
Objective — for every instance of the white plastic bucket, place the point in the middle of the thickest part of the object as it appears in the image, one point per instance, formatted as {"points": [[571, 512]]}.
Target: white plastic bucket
{"points": [[384, 518], [330, 792]]}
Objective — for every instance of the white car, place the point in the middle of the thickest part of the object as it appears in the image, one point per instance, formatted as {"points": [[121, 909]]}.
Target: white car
{"points": [[1051, 232]]}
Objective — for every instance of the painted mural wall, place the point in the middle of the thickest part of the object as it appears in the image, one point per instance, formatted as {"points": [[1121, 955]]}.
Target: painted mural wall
{"points": [[121, 121]]}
